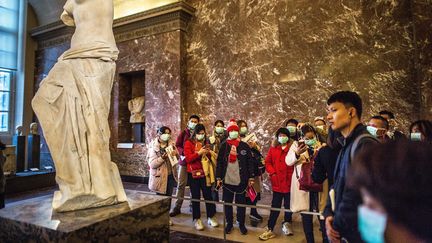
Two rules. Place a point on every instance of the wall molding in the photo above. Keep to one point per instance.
(171, 17)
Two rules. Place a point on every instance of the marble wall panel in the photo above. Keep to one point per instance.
(422, 16)
(159, 58)
(267, 61)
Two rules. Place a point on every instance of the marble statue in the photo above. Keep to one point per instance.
(136, 107)
(34, 128)
(18, 130)
(73, 104)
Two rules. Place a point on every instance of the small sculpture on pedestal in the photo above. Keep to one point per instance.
(20, 146)
(33, 151)
(137, 118)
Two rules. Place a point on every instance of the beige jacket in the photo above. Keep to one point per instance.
(158, 178)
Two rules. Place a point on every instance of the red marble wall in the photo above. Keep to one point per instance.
(267, 61)
(159, 57)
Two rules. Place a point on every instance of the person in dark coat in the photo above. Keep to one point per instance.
(344, 114)
(235, 171)
(2, 177)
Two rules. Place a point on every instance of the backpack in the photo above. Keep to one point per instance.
(357, 141)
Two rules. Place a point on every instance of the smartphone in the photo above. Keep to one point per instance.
(301, 142)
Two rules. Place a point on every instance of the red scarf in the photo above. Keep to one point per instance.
(233, 153)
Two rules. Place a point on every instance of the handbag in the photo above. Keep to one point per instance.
(197, 173)
(305, 179)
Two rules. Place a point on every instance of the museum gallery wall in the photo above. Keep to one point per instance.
(265, 62)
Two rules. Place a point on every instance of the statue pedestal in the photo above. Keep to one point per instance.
(143, 218)
(20, 143)
(33, 152)
(137, 130)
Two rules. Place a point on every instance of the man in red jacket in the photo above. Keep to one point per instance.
(182, 173)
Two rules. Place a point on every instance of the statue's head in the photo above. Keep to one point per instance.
(18, 130)
(34, 128)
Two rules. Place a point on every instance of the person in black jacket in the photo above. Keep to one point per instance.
(235, 169)
(344, 114)
(325, 162)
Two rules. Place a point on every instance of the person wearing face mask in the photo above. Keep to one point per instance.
(396, 200)
(235, 171)
(257, 160)
(421, 130)
(321, 128)
(378, 127)
(301, 152)
(392, 131)
(162, 177)
(218, 137)
(291, 125)
(194, 150)
(182, 171)
(280, 174)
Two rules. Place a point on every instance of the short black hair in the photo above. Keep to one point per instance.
(386, 124)
(397, 174)
(240, 122)
(307, 128)
(161, 130)
(388, 113)
(425, 128)
(282, 130)
(292, 120)
(194, 116)
(349, 99)
(219, 121)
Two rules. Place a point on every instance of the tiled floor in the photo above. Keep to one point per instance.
(183, 226)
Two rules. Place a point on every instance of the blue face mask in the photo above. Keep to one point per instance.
(243, 130)
(310, 142)
(283, 140)
(292, 130)
(371, 225)
(372, 130)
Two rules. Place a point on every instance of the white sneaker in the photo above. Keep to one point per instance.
(199, 224)
(213, 222)
(287, 229)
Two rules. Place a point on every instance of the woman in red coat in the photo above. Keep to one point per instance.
(280, 174)
(194, 149)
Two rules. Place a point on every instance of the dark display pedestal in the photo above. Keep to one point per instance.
(20, 143)
(144, 218)
(33, 151)
(137, 131)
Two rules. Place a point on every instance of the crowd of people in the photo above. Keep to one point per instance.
(366, 181)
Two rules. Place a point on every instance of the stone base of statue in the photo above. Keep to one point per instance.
(144, 218)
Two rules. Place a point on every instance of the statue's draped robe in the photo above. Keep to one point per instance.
(72, 105)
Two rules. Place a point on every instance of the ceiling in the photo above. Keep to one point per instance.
(48, 11)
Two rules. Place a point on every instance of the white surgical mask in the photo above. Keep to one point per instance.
(415, 136)
(191, 125)
(219, 130)
(320, 127)
(165, 137)
(372, 130)
(233, 135)
(243, 130)
(200, 137)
